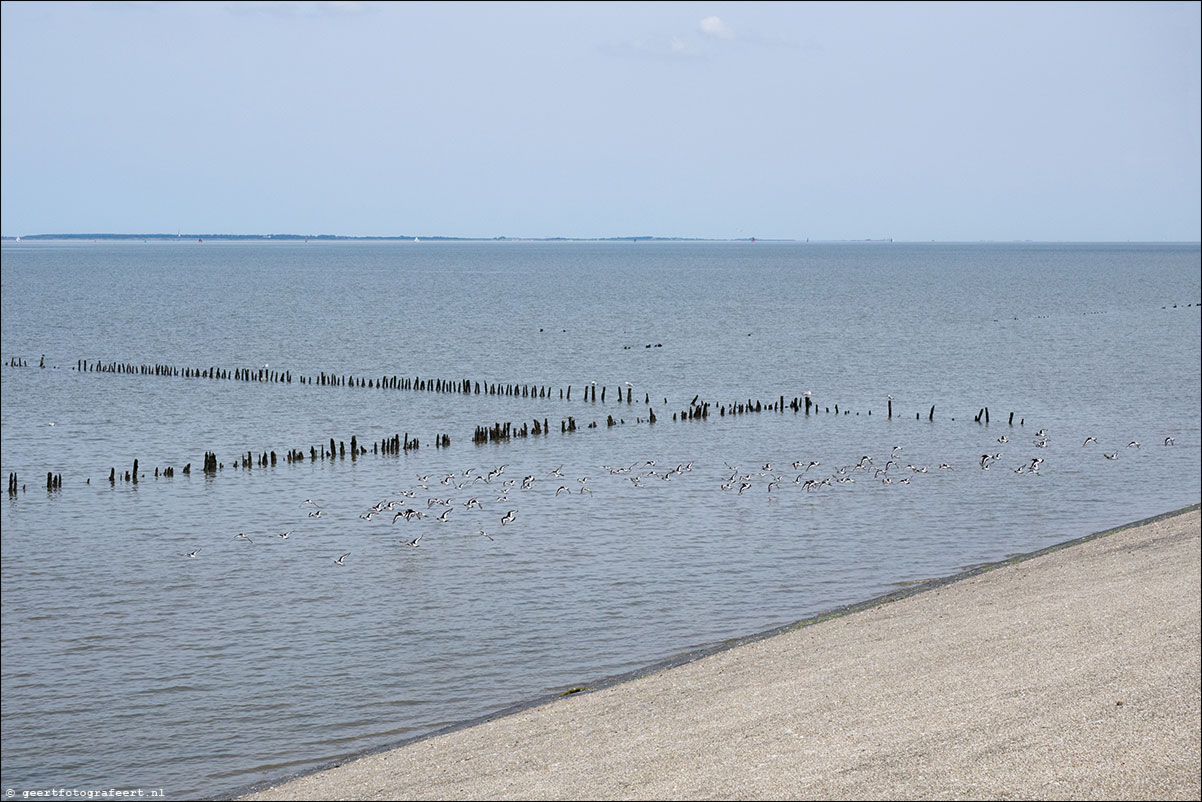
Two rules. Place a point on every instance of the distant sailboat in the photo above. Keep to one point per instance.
(415, 239)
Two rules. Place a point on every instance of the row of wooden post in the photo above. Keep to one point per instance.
(439, 385)
(237, 374)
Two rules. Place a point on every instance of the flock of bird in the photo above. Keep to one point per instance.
(475, 497)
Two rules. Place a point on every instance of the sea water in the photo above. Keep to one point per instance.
(127, 664)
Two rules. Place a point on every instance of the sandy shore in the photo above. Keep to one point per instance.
(1070, 675)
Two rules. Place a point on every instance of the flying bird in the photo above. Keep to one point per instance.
(339, 561)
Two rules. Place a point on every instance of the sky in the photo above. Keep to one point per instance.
(826, 121)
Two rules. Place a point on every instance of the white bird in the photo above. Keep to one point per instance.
(415, 541)
(316, 514)
(1089, 440)
(1133, 444)
(442, 519)
(509, 516)
(340, 559)
(482, 533)
(1168, 441)
(284, 535)
(241, 536)
(192, 553)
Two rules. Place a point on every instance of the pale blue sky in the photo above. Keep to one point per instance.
(943, 121)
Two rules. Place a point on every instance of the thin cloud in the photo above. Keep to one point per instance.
(680, 47)
(715, 27)
(298, 8)
(658, 47)
(692, 44)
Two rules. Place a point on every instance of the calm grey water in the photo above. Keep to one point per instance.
(127, 664)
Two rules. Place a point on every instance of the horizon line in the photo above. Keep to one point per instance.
(504, 238)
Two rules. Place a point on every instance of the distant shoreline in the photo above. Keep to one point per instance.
(397, 238)
(638, 238)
